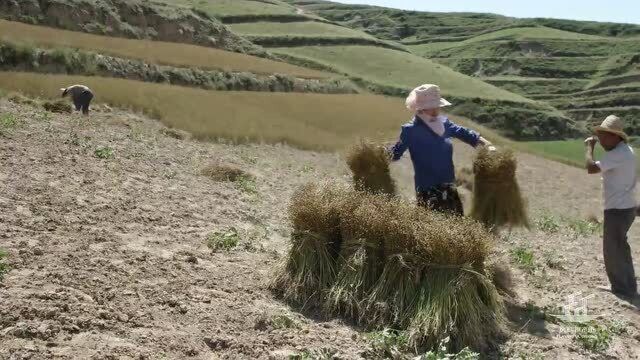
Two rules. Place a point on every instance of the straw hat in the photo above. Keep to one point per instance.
(426, 97)
(614, 125)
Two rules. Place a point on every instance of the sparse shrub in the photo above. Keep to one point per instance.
(225, 240)
(58, 106)
(524, 258)
(104, 152)
(4, 268)
(369, 164)
(497, 201)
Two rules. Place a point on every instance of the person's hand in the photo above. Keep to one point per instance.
(591, 141)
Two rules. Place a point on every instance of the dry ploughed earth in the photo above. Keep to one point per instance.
(121, 247)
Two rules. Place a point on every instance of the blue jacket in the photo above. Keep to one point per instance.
(431, 154)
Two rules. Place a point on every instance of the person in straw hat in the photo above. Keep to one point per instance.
(618, 169)
(81, 96)
(428, 139)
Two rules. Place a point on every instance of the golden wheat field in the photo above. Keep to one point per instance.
(307, 121)
(156, 52)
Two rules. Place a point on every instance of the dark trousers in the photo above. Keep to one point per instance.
(617, 253)
(82, 101)
(443, 198)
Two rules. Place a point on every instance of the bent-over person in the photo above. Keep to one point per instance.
(81, 96)
(618, 169)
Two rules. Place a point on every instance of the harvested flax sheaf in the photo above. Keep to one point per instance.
(310, 268)
(497, 201)
(389, 264)
(369, 164)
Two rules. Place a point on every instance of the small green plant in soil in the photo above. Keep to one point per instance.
(524, 258)
(284, 322)
(443, 354)
(594, 337)
(553, 261)
(4, 268)
(583, 228)
(548, 223)
(7, 121)
(322, 354)
(387, 343)
(247, 184)
(223, 240)
(103, 152)
(243, 181)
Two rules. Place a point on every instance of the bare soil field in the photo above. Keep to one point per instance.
(107, 220)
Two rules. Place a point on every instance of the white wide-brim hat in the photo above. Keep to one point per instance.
(614, 125)
(426, 97)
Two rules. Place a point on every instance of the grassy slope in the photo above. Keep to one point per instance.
(304, 28)
(237, 7)
(397, 68)
(150, 51)
(520, 34)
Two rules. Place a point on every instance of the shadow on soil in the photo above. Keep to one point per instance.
(526, 319)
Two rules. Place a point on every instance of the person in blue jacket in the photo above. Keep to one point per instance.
(428, 139)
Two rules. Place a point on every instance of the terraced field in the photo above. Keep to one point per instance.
(397, 68)
(557, 62)
(222, 8)
(301, 28)
(156, 52)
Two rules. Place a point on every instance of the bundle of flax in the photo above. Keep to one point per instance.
(385, 263)
(369, 164)
(497, 201)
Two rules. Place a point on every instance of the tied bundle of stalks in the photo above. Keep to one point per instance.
(361, 257)
(369, 164)
(316, 240)
(497, 201)
(397, 266)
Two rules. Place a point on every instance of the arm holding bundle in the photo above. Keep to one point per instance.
(397, 150)
(591, 165)
(470, 137)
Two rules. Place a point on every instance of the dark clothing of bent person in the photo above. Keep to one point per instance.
(81, 96)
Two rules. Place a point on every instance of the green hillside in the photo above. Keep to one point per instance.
(553, 61)
(399, 69)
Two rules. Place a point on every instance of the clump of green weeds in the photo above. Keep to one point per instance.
(223, 240)
(4, 268)
(388, 343)
(321, 354)
(524, 258)
(548, 223)
(442, 354)
(104, 152)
